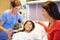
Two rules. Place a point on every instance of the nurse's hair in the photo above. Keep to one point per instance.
(52, 9)
(15, 3)
(33, 25)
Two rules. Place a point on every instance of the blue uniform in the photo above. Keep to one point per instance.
(9, 22)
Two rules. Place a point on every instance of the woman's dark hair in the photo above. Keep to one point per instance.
(15, 3)
(33, 25)
(52, 9)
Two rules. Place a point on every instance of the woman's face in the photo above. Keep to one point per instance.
(17, 8)
(45, 14)
(28, 26)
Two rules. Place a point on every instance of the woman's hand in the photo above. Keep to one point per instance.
(42, 24)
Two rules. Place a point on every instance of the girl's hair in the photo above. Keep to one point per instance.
(52, 9)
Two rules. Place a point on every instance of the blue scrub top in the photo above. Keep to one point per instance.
(9, 21)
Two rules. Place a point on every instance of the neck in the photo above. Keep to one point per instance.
(12, 12)
(52, 20)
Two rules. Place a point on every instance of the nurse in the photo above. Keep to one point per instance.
(8, 19)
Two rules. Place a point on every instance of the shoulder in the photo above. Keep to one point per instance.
(6, 12)
(19, 14)
(57, 25)
(57, 21)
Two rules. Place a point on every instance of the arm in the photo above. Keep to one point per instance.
(2, 20)
(1, 28)
(43, 25)
(39, 32)
(8, 32)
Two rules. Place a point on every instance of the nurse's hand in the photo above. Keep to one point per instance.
(9, 31)
(9, 37)
(9, 34)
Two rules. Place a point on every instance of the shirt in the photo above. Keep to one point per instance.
(54, 31)
(9, 21)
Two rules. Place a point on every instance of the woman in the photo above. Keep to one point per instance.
(25, 35)
(8, 19)
(51, 13)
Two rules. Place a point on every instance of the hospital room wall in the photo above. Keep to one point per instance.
(4, 5)
(35, 11)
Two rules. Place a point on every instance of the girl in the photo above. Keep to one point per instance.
(25, 35)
